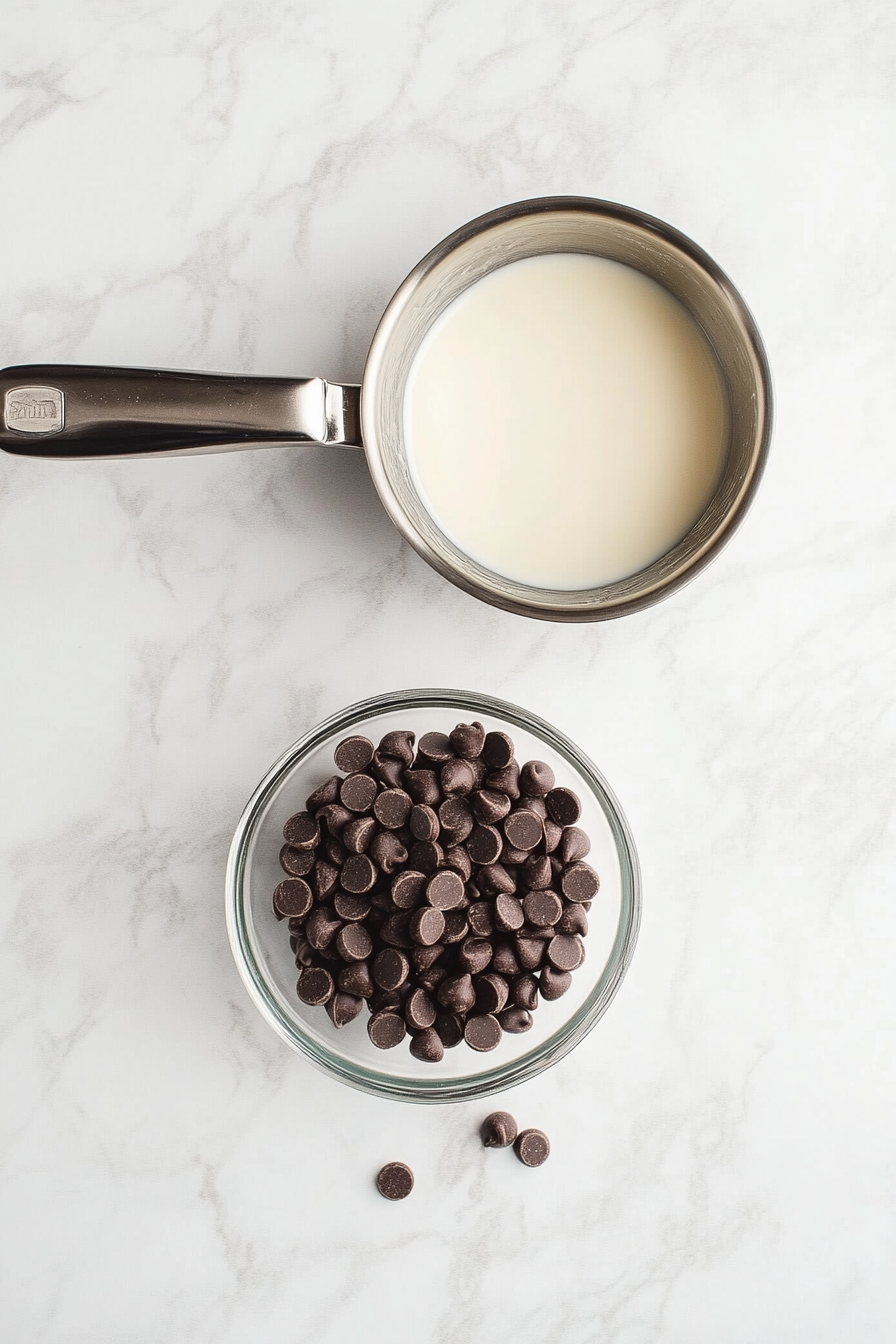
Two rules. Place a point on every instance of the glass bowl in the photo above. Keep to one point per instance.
(260, 942)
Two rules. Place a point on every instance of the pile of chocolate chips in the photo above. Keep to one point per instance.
(443, 887)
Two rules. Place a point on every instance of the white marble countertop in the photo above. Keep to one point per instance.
(238, 186)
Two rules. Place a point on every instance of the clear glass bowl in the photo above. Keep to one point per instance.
(260, 943)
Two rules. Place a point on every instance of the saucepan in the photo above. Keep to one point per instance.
(71, 411)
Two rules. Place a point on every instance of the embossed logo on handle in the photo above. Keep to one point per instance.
(34, 410)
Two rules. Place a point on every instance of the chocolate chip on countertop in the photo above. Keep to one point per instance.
(301, 831)
(532, 1147)
(395, 1181)
(353, 754)
(386, 1029)
(293, 898)
(482, 1032)
(563, 806)
(536, 779)
(498, 1130)
(580, 882)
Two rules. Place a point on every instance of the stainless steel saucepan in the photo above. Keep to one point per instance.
(71, 411)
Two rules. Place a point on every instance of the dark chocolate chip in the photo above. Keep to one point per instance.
(327, 793)
(532, 1147)
(574, 845)
(449, 1028)
(566, 952)
(387, 852)
(394, 930)
(344, 1008)
(399, 744)
(358, 792)
(553, 984)
(392, 808)
(386, 1029)
(407, 888)
(426, 856)
(427, 926)
(480, 770)
(334, 816)
(563, 806)
(357, 835)
(356, 979)
(484, 844)
(504, 961)
(427, 1045)
(334, 850)
(494, 879)
(390, 968)
(505, 781)
(524, 829)
(358, 874)
(424, 957)
(490, 806)
(419, 1010)
(455, 819)
(315, 985)
(386, 1001)
(431, 978)
(573, 920)
(457, 994)
(515, 1020)
(542, 907)
(423, 786)
(296, 862)
(353, 942)
(445, 890)
(467, 739)
(324, 878)
(491, 993)
(423, 822)
(498, 1130)
(293, 897)
(474, 954)
(530, 953)
(524, 992)
(387, 770)
(536, 779)
(304, 953)
(301, 831)
(456, 777)
(482, 1032)
(508, 913)
(580, 882)
(457, 858)
(353, 908)
(497, 750)
(435, 748)
(479, 916)
(353, 754)
(456, 926)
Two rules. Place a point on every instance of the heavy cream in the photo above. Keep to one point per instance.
(565, 421)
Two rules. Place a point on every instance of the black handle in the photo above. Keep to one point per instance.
(60, 410)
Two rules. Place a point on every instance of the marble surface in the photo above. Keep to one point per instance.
(238, 186)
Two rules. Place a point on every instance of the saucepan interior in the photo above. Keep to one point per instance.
(552, 225)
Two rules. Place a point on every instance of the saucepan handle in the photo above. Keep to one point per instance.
(78, 411)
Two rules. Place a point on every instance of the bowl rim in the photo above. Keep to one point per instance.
(501, 1077)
